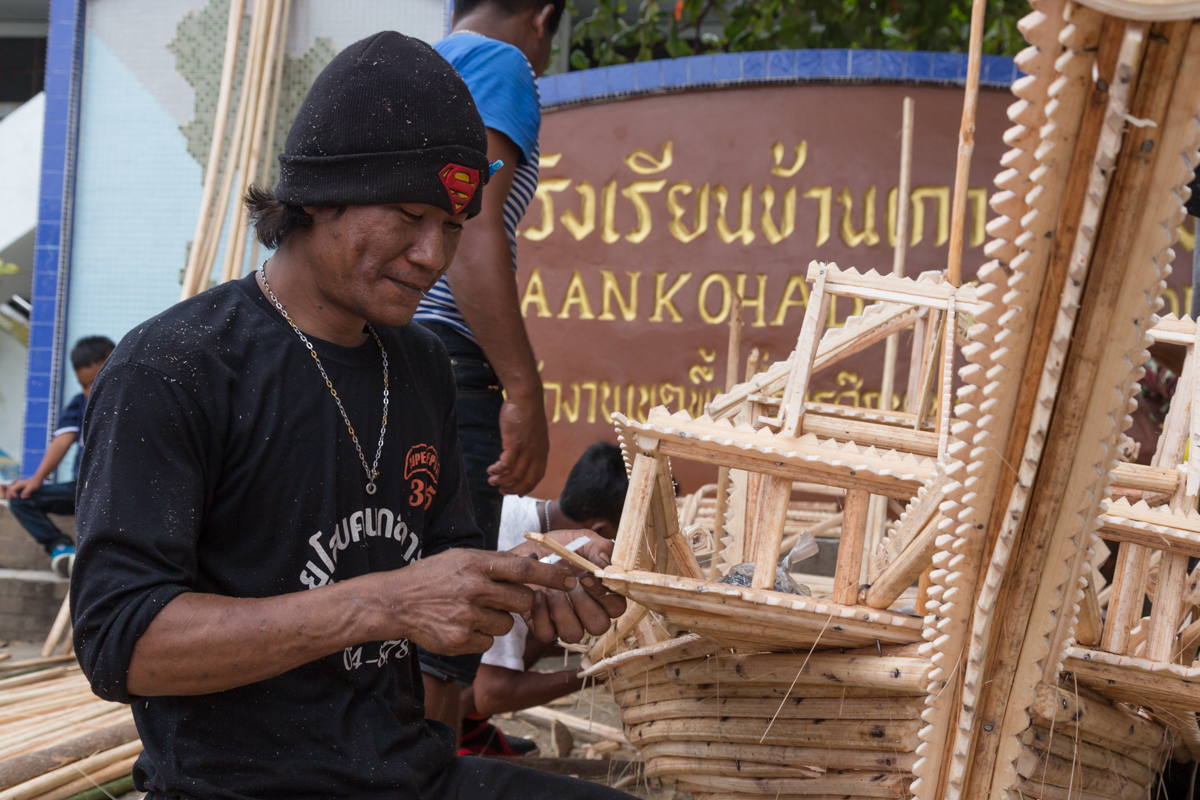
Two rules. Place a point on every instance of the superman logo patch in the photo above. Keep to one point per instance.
(461, 183)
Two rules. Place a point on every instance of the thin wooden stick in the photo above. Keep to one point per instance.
(966, 145)
(561, 551)
(888, 384)
(237, 9)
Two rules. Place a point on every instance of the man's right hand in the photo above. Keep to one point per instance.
(457, 601)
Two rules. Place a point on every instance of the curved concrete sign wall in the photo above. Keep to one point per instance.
(655, 210)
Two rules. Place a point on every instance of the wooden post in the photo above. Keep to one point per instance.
(966, 145)
(1168, 603)
(772, 515)
(233, 32)
(850, 547)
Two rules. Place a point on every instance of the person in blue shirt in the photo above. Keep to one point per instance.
(499, 47)
(32, 500)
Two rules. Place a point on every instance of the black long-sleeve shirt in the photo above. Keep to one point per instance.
(217, 462)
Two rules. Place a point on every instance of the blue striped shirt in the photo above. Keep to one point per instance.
(504, 87)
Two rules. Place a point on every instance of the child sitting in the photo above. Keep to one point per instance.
(592, 498)
(29, 500)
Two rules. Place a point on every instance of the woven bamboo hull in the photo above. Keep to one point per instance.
(721, 724)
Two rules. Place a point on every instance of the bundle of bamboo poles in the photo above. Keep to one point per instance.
(245, 160)
(57, 739)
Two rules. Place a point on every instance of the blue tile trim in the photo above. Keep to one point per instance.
(766, 67)
(52, 242)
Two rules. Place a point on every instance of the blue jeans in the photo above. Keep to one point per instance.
(32, 511)
(479, 397)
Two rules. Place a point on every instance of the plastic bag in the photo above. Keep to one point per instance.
(805, 547)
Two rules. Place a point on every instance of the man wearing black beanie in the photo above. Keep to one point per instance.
(260, 596)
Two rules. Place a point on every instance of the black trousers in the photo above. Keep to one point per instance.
(32, 512)
(470, 778)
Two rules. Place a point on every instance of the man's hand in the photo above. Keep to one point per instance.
(589, 607)
(457, 601)
(454, 602)
(22, 489)
(526, 443)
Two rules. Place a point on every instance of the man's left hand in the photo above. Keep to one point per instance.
(590, 607)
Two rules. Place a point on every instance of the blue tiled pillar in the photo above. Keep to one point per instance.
(52, 250)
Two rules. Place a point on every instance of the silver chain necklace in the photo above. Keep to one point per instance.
(373, 470)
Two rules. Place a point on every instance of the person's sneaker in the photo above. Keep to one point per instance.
(481, 738)
(62, 558)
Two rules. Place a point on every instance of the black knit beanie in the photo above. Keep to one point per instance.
(388, 121)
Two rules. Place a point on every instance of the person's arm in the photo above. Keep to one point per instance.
(450, 603)
(54, 455)
(485, 290)
(499, 689)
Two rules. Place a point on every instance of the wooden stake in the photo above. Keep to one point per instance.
(966, 145)
(233, 31)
